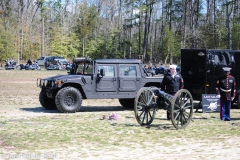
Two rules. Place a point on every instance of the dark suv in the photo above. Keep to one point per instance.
(52, 60)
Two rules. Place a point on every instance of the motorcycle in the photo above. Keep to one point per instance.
(29, 66)
(53, 67)
(10, 64)
(59, 66)
(68, 66)
(150, 71)
(160, 70)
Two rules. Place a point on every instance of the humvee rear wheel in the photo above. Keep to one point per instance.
(47, 103)
(127, 103)
(145, 106)
(238, 101)
(181, 109)
(68, 100)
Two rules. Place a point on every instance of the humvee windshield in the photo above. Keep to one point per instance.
(82, 66)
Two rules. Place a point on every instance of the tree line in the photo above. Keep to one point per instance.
(151, 30)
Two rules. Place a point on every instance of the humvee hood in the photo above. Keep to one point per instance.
(68, 76)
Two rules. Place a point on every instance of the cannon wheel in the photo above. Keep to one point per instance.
(181, 109)
(144, 106)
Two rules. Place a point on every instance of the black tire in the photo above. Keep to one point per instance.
(127, 103)
(238, 101)
(47, 103)
(68, 100)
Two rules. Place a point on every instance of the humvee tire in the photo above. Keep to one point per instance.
(47, 103)
(127, 103)
(238, 101)
(68, 100)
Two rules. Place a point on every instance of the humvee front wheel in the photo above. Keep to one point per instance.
(47, 103)
(68, 100)
(127, 103)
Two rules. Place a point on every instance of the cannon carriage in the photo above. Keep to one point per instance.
(151, 99)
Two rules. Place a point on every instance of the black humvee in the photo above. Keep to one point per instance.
(200, 69)
(95, 79)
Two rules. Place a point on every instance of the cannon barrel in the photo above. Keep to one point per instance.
(158, 92)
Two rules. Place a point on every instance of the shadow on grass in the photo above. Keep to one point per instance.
(161, 126)
(102, 108)
(39, 110)
(82, 109)
(235, 119)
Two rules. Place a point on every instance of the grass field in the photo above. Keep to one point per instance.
(31, 132)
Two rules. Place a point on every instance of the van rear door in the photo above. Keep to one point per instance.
(193, 71)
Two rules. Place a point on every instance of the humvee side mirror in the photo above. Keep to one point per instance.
(102, 72)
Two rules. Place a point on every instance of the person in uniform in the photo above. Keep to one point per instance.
(172, 82)
(226, 91)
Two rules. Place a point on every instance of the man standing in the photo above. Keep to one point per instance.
(172, 82)
(226, 91)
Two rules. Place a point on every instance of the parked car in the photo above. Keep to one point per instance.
(41, 61)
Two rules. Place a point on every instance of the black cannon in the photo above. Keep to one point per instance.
(151, 99)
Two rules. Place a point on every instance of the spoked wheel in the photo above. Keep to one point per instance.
(181, 109)
(145, 106)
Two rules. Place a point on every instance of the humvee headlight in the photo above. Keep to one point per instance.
(59, 82)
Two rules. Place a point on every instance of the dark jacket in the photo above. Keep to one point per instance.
(29, 62)
(172, 85)
(226, 87)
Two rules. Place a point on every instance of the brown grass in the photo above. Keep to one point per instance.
(26, 129)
